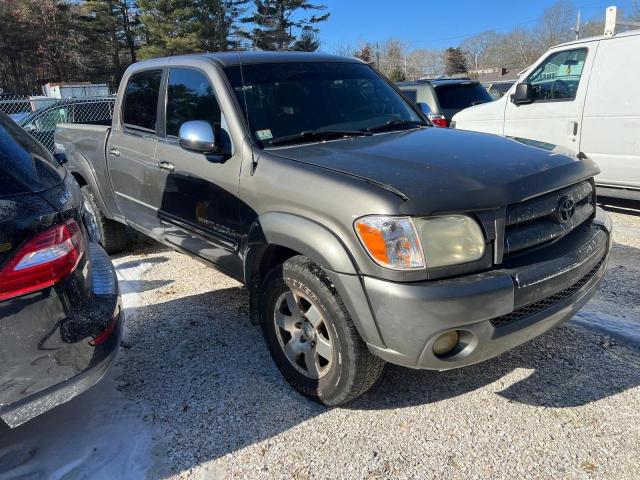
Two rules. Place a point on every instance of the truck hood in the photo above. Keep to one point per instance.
(439, 169)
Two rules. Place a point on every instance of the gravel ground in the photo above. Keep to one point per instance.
(213, 404)
(564, 405)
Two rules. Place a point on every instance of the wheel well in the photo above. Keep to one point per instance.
(81, 181)
(274, 255)
(269, 257)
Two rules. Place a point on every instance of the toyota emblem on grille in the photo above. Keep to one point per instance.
(566, 209)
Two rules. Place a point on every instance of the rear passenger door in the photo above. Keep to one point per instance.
(199, 208)
(131, 153)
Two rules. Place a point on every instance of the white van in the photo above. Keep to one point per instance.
(582, 95)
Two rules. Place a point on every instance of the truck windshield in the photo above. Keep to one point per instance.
(293, 99)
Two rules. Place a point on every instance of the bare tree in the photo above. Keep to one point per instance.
(423, 63)
(392, 57)
(477, 49)
(556, 25)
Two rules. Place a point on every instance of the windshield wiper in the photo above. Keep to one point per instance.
(318, 135)
(393, 124)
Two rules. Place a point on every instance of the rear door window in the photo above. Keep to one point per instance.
(410, 94)
(141, 100)
(25, 166)
(460, 96)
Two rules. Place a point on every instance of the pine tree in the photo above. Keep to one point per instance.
(397, 75)
(366, 54)
(455, 61)
(307, 41)
(277, 27)
(170, 27)
(101, 42)
(219, 24)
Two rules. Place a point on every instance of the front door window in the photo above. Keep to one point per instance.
(558, 77)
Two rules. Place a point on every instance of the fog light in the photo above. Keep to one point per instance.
(445, 343)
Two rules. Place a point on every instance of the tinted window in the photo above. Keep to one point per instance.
(283, 99)
(410, 94)
(25, 166)
(558, 77)
(190, 97)
(141, 100)
(461, 96)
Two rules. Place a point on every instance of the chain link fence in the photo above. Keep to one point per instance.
(40, 115)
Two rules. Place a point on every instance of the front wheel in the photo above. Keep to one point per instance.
(311, 336)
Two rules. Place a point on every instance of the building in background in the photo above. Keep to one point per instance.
(75, 90)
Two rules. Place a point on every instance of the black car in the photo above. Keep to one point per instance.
(445, 96)
(60, 309)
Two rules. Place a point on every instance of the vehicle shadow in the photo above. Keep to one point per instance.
(620, 205)
(209, 379)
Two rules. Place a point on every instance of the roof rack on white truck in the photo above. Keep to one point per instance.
(611, 22)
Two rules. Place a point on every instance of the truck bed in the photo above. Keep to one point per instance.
(85, 148)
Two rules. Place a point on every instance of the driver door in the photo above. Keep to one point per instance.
(559, 83)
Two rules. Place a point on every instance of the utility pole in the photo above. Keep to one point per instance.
(377, 56)
(577, 30)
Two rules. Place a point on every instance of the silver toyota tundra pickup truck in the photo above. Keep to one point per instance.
(363, 233)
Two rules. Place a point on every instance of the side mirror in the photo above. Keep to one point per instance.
(523, 94)
(426, 109)
(197, 136)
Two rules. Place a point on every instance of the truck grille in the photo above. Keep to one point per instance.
(547, 217)
(535, 307)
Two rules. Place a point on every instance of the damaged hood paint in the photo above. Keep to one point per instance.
(439, 169)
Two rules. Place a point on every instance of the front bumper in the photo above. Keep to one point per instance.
(50, 356)
(493, 311)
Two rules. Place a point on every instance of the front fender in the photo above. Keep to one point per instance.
(306, 237)
(318, 243)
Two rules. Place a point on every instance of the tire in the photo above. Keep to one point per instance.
(112, 234)
(297, 337)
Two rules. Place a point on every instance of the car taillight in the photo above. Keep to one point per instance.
(42, 261)
(439, 121)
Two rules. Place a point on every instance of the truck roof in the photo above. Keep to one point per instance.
(629, 33)
(226, 59)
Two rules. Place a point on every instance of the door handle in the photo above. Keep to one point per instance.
(114, 151)
(166, 166)
(573, 128)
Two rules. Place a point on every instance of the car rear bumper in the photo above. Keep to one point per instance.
(493, 311)
(52, 352)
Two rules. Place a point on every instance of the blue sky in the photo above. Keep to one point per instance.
(434, 24)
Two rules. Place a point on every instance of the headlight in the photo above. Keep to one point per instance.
(392, 242)
(403, 243)
(450, 240)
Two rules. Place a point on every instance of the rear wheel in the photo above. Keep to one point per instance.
(111, 235)
(311, 336)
